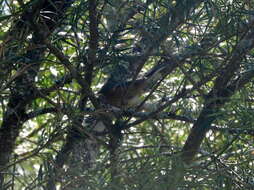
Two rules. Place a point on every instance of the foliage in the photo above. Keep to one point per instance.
(55, 58)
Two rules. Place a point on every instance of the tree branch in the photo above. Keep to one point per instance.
(218, 96)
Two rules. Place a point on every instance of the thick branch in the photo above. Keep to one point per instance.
(223, 89)
(23, 91)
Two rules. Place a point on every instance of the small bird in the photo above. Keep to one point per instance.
(128, 94)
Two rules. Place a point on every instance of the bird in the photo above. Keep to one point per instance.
(127, 94)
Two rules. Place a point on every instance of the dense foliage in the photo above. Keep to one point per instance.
(58, 132)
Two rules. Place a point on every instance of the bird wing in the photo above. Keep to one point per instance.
(127, 94)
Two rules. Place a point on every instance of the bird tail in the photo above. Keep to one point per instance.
(155, 73)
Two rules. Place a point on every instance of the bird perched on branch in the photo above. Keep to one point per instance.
(127, 94)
